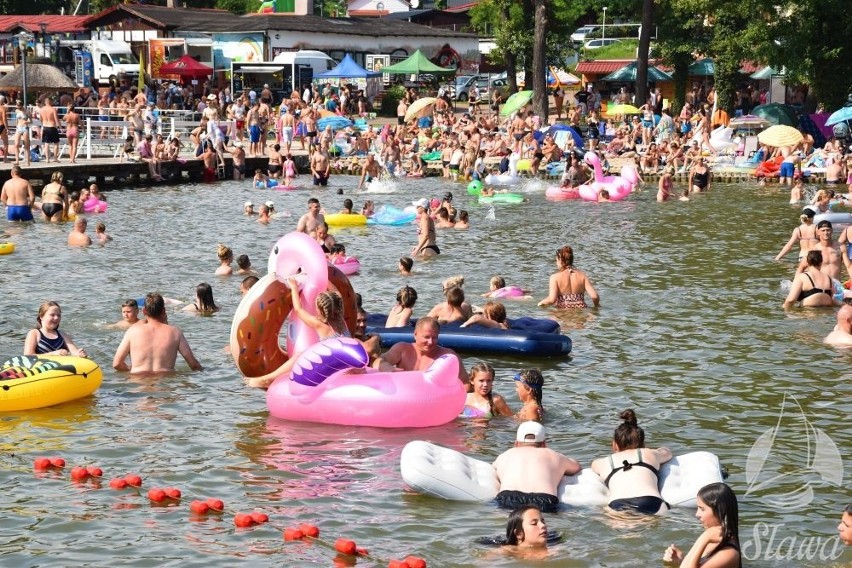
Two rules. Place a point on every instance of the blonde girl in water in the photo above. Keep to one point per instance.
(226, 257)
(568, 286)
(481, 401)
(528, 386)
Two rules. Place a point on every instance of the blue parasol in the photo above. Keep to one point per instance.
(578, 139)
(841, 115)
(336, 123)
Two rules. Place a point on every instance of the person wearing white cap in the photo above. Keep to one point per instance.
(426, 247)
(530, 472)
(248, 208)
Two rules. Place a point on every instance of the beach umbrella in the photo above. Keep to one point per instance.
(780, 135)
(516, 102)
(613, 110)
(40, 77)
(748, 121)
(417, 106)
(336, 123)
(578, 138)
(777, 114)
(841, 115)
(702, 68)
(627, 74)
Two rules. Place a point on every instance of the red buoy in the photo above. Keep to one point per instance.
(216, 504)
(118, 483)
(57, 462)
(415, 561)
(156, 495)
(172, 493)
(345, 546)
(41, 464)
(309, 530)
(293, 534)
(243, 520)
(199, 507)
(133, 480)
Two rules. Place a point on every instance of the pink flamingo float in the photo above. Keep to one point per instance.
(618, 187)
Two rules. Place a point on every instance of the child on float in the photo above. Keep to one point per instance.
(328, 323)
(400, 314)
(337, 254)
(528, 386)
(259, 180)
(493, 316)
(368, 209)
(226, 257)
(46, 339)
(482, 401)
(497, 289)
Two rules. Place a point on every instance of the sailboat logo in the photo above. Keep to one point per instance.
(774, 450)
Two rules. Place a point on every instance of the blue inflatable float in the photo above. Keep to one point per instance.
(529, 337)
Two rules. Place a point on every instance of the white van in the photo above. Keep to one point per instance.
(301, 62)
(111, 60)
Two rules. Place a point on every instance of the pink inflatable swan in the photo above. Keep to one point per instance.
(618, 187)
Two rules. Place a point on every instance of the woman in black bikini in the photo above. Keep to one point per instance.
(633, 484)
(719, 545)
(54, 198)
(699, 177)
(811, 287)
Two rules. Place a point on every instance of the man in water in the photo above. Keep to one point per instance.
(129, 315)
(369, 171)
(420, 355)
(309, 222)
(371, 341)
(18, 197)
(831, 261)
(841, 336)
(530, 472)
(78, 237)
(154, 345)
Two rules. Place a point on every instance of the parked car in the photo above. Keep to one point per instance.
(579, 35)
(460, 88)
(600, 42)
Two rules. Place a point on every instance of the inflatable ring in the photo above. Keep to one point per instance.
(7, 248)
(346, 219)
(29, 382)
(94, 205)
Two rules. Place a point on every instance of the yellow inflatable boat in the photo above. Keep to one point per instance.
(345, 219)
(28, 382)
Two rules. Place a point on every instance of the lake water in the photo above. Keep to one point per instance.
(691, 334)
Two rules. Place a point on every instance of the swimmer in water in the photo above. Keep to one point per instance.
(226, 257)
(101, 234)
(129, 315)
(482, 401)
(405, 265)
(400, 314)
(529, 385)
(719, 545)
(526, 533)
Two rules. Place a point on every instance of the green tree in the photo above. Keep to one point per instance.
(810, 41)
(681, 33)
(539, 71)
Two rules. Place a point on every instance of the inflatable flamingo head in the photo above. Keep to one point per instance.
(297, 253)
(592, 159)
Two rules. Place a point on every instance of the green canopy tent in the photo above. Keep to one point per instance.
(627, 74)
(702, 68)
(416, 64)
(763, 74)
